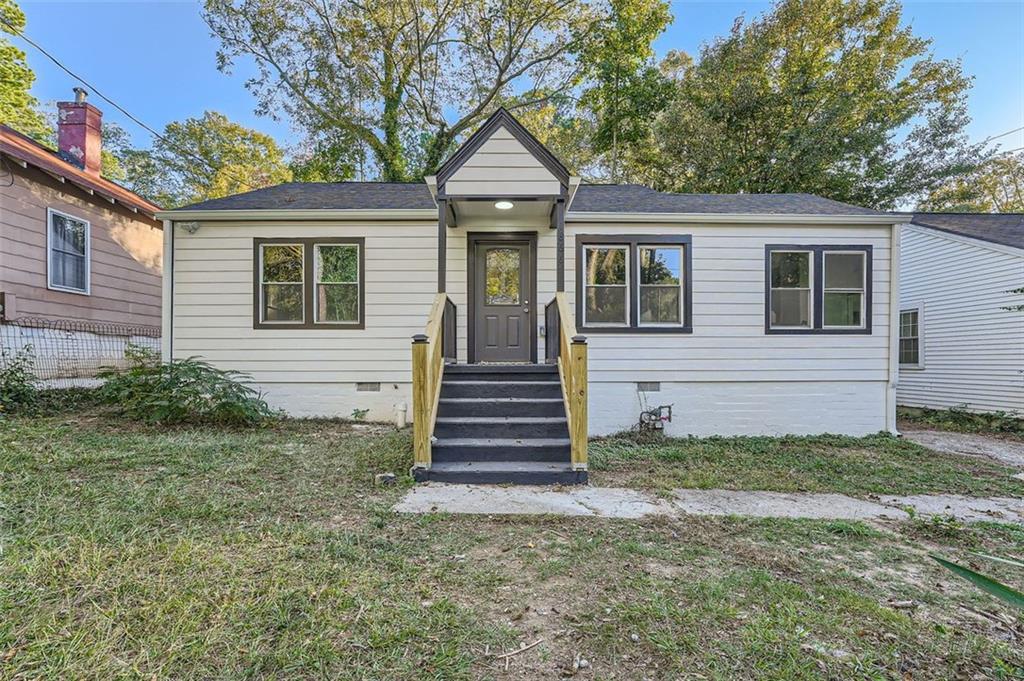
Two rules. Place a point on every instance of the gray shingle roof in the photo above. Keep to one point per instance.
(1000, 228)
(591, 198)
(326, 196)
(635, 198)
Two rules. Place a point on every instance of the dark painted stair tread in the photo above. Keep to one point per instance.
(502, 442)
(502, 419)
(503, 398)
(514, 472)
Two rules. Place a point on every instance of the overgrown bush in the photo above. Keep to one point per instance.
(183, 391)
(19, 391)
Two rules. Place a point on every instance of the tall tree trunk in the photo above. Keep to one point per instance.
(392, 157)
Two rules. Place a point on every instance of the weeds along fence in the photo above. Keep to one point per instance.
(69, 353)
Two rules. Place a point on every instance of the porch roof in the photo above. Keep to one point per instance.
(589, 198)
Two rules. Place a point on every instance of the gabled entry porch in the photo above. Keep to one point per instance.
(499, 374)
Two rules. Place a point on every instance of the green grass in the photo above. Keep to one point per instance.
(879, 464)
(144, 553)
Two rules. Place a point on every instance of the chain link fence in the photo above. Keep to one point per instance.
(69, 353)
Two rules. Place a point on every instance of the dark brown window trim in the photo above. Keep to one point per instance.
(817, 252)
(633, 241)
(308, 285)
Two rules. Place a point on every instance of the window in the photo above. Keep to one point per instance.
(844, 290)
(910, 339)
(337, 283)
(791, 300)
(282, 283)
(607, 286)
(308, 283)
(661, 294)
(634, 284)
(817, 289)
(67, 245)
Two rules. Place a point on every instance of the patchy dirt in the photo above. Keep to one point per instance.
(1005, 450)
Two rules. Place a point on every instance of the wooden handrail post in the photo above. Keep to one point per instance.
(421, 401)
(578, 412)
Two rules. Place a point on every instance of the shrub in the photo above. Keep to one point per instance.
(19, 391)
(183, 391)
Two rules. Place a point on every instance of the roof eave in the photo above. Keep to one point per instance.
(757, 218)
(299, 214)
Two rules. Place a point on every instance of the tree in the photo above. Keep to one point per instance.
(328, 158)
(18, 108)
(390, 73)
(996, 186)
(204, 158)
(628, 92)
(830, 97)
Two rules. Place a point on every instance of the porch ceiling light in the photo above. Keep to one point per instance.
(504, 205)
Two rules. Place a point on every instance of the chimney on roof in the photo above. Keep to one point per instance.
(79, 138)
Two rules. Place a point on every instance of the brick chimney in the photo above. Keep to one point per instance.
(78, 132)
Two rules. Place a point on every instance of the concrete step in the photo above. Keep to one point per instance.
(501, 406)
(499, 472)
(513, 427)
(552, 450)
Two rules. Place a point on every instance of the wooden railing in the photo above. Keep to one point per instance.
(569, 351)
(431, 350)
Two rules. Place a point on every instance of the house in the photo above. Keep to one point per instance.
(961, 341)
(541, 309)
(80, 256)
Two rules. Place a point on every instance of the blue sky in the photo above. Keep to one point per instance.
(157, 59)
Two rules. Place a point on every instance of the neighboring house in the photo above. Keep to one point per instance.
(749, 314)
(79, 254)
(960, 345)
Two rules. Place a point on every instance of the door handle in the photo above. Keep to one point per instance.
(526, 309)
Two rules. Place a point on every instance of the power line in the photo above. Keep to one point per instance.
(1009, 132)
(117, 106)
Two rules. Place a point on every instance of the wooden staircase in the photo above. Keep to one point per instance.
(521, 424)
(502, 424)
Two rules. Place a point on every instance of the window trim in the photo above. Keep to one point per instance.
(863, 290)
(308, 282)
(818, 289)
(810, 287)
(626, 251)
(919, 309)
(633, 244)
(87, 291)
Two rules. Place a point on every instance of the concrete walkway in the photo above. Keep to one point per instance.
(613, 502)
(1004, 450)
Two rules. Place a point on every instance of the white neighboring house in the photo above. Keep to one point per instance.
(959, 344)
(750, 314)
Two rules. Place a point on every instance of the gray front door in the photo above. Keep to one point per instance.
(503, 307)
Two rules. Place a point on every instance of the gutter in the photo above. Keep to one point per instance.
(291, 214)
(751, 218)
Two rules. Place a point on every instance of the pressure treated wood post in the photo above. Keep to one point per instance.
(578, 409)
(420, 402)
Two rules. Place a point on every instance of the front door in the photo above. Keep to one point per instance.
(501, 288)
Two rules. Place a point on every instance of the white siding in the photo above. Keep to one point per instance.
(502, 166)
(308, 372)
(727, 377)
(972, 350)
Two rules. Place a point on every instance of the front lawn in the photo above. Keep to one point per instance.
(133, 552)
(879, 464)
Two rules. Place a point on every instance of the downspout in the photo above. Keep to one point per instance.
(167, 295)
(894, 330)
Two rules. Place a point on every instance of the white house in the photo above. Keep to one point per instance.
(749, 314)
(961, 343)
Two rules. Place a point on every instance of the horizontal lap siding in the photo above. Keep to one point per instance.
(213, 292)
(973, 350)
(502, 166)
(728, 343)
(125, 254)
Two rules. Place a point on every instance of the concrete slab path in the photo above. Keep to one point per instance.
(613, 502)
(1005, 450)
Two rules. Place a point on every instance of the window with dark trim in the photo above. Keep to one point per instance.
(910, 338)
(817, 289)
(633, 283)
(308, 283)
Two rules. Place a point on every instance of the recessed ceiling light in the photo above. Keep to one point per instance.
(504, 205)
